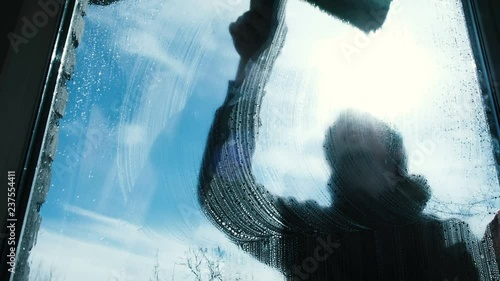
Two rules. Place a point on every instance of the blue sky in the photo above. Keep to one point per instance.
(150, 75)
(130, 145)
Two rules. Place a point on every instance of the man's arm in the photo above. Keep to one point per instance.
(228, 191)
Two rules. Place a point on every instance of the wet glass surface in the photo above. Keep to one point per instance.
(124, 199)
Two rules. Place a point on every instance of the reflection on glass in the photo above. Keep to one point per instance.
(406, 144)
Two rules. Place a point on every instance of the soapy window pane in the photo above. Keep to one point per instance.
(123, 202)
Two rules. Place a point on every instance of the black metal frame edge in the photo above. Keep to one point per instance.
(482, 31)
(25, 172)
(484, 37)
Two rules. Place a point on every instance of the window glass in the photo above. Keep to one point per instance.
(149, 76)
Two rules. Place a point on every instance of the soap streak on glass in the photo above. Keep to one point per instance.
(123, 202)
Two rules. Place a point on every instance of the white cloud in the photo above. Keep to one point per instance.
(96, 247)
(134, 134)
(169, 43)
(402, 76)
(298, 107)
(148, 45)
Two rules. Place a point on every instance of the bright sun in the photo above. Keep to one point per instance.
(384, 73)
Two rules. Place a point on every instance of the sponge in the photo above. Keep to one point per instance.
(367, 15)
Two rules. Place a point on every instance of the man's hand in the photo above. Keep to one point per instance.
(251, 32)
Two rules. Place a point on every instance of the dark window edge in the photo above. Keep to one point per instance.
(482, 22)
(28, 88)
(483, 25)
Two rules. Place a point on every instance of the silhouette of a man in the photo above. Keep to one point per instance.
(375, 228)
